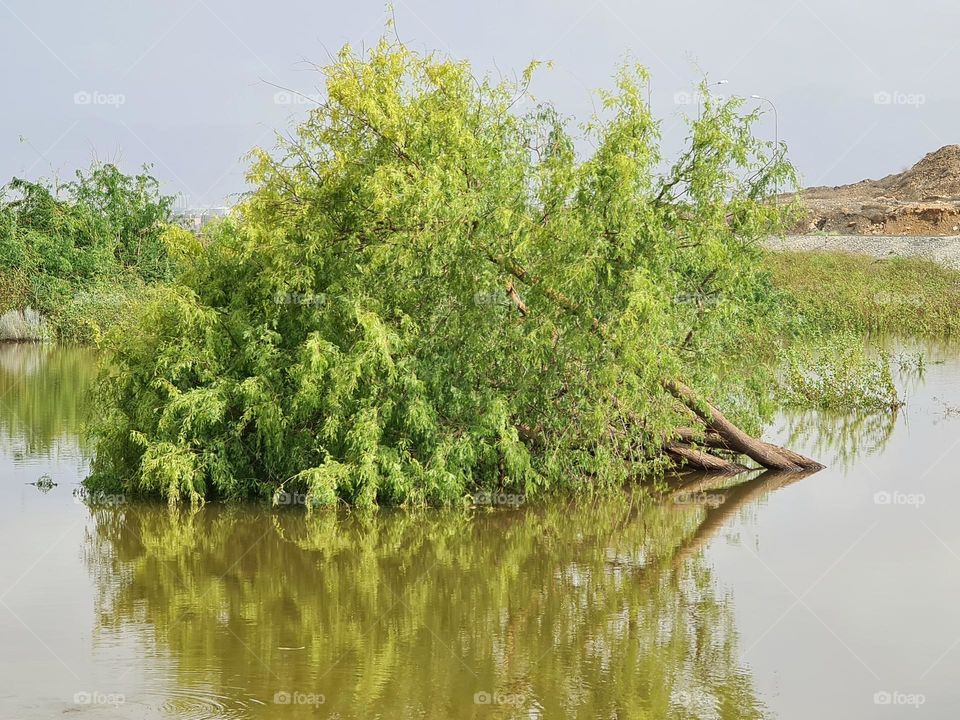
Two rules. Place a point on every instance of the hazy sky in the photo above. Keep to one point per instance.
(862, 88)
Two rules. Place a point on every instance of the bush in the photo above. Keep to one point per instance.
(61, 245)
(430, 294)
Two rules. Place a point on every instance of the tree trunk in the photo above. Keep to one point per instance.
(708, 439)
(702, 460)
(765, 454)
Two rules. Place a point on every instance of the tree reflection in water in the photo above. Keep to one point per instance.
(45, 397)
(597, 608)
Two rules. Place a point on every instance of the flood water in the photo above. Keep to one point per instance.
(828, 596)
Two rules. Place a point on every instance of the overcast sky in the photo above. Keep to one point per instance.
(862, 89)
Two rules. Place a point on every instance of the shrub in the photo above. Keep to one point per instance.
(61, 244)
(430, 294)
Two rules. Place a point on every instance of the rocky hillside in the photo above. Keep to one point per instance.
(924, 200)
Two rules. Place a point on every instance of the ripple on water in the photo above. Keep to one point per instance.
(201, 704)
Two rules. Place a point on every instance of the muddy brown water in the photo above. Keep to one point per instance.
(831, 596)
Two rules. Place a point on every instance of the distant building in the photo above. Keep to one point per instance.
(196, 218)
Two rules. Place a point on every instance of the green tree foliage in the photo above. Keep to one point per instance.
(57, 240)
(431, 292)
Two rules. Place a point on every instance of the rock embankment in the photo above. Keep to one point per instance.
(942, 250)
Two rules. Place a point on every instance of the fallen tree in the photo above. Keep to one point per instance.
(431, 293)
(724, 435)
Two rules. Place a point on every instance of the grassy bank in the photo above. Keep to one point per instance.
(835, 291)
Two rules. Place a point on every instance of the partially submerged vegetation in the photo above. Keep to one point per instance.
(431, 293)
(840, 372)
(75, 255)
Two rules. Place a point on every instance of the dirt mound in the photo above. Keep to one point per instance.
(924, 200)
(936, 177)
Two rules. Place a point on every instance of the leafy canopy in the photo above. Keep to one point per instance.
(431, 292)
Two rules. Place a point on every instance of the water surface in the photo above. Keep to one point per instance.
(770, 596)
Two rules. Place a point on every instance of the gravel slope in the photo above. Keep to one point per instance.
(942, 250)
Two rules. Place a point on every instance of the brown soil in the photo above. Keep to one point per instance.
(924, 200)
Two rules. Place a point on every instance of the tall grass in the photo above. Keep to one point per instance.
(23, 326)
(837, 291)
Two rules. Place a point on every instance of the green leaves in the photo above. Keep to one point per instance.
(76, 244)
(840, 373)
(432, 293)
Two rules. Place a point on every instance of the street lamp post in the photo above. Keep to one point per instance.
(776, 137)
